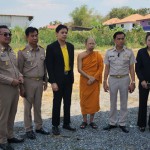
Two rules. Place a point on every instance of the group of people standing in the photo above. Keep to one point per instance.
(30, 73)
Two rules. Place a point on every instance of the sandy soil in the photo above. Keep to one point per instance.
(75, 107)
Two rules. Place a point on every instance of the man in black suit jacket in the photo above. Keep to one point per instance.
(60, 63)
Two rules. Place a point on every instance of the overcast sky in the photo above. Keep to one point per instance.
(45, 11)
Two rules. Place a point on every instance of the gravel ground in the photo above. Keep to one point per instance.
(86, 139)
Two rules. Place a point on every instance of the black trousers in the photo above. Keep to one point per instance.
(142, 114)
(64, 92)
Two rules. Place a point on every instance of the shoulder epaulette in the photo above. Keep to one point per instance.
(41, 47)
(111, 49)
(23, 49)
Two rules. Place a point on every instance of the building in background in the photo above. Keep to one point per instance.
(129, 22)
(12, 21)
(52, 27)
(145, 23)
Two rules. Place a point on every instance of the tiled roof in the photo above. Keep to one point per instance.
(145, 17)
(111, 21)
(131, 18)
(52, 26)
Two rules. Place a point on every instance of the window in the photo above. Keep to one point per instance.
(122, 25)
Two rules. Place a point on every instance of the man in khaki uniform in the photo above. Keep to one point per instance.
(31, 62)
(119, 63)
(10, 78)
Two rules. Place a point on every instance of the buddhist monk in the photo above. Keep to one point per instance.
(90, 67)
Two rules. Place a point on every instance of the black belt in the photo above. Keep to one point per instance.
(119, 76)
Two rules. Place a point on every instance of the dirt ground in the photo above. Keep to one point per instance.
(75, 107)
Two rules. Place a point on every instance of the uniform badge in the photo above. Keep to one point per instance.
(29, 54)
(6, 63)
(126, 56)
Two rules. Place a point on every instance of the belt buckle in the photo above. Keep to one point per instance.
(37, 79)
(66, 72)
(118, 76)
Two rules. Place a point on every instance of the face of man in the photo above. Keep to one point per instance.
(32, 38)
(90, 45)
(5, 36)
(148, 42)
(62, 34)
(120, 40)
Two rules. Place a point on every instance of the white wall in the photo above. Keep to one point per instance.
(127, 26)
(12, 21)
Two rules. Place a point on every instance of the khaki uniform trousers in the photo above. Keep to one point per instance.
(121, 85)
(9, 96)
(34, 91)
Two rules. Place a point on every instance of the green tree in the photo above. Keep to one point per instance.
(143, 11)
(120, 12)
(55, 22)
(82, 16)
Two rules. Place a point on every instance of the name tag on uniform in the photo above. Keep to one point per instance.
(6, 63)
(111, 56)
(126, 56)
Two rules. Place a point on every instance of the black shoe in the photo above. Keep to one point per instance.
(15, 140)
(6, 147)
(30, 135)
(109, 127)
(42, 131)
(124, 129)
(55, 130)
(68, 127)
(142, 129)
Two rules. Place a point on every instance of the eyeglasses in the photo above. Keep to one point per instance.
(6, 34)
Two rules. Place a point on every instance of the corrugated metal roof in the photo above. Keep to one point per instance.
(30, 17)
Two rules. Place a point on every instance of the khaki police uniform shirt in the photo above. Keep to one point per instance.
(8, 65)
(31, 62)
(119, 62)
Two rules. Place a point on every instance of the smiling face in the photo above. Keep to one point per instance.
(5, 36)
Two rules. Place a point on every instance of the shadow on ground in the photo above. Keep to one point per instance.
(89, 139)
